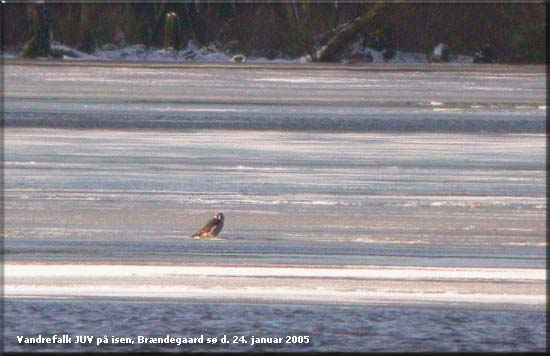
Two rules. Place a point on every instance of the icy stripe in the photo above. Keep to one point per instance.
(378, 272)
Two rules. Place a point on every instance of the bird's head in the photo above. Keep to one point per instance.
(219, 216)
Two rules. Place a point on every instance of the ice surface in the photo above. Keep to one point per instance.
(456, 184)
(355, 285)
(390, 186)
(475, 192)
(407, 98)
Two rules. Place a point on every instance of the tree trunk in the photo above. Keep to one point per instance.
(348, 33)
(39, 42)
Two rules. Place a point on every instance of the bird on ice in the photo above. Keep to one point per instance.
(212, 227)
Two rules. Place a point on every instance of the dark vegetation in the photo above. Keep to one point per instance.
(507, 32)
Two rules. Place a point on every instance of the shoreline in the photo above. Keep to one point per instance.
(314, 66)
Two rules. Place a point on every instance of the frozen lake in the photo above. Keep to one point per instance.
(393, 185)
(289, 198)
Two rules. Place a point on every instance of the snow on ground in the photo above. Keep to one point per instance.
(210, 54)
(363, 285)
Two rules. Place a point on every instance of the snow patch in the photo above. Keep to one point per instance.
(194, 53)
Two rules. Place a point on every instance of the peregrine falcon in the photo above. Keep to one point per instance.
(212, 227)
